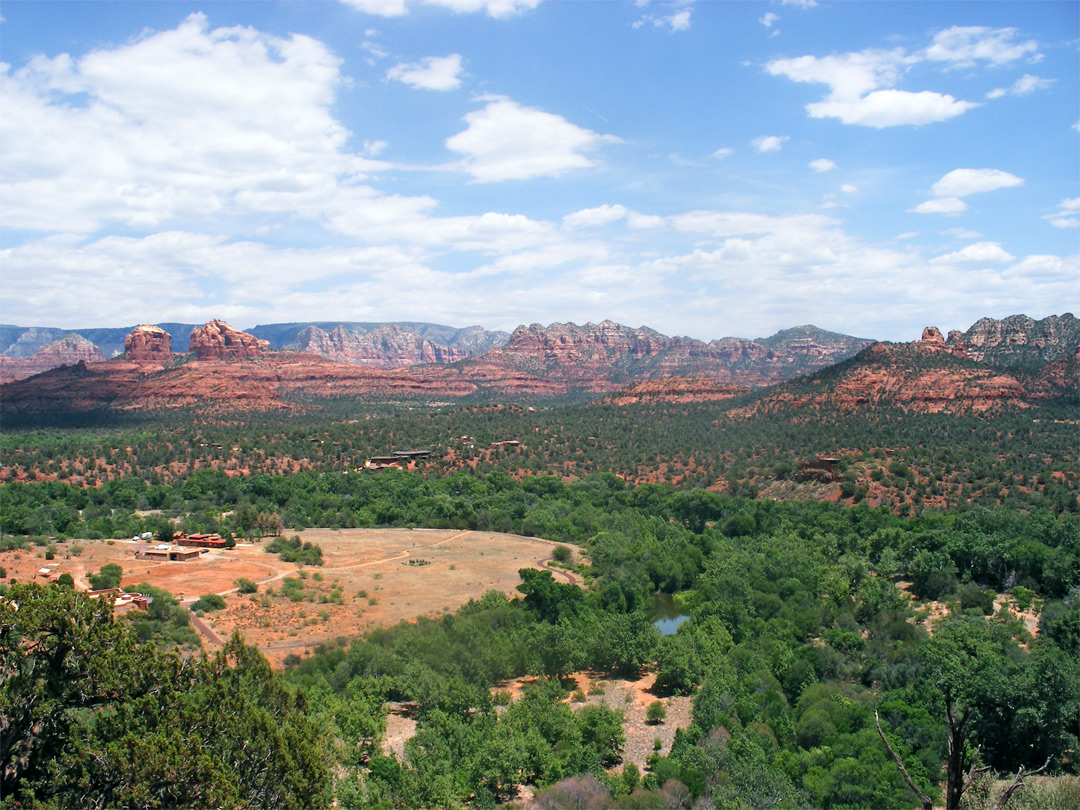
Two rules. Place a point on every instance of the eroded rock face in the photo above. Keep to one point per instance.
(148, 345)
(67, 351)
(219, 341)
(931, 338)
(1020, 340)
(386, 346)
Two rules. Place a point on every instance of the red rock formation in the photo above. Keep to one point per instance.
(65, 351)
(217, 341)
(932, 339)
(148, 345)
(676, 389)
(386, 346)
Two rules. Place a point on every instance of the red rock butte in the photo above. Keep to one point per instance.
(217, 340)
(148, 344)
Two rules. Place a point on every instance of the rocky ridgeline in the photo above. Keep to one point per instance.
(612, 353)
(386, 346)
(67, 351)
(1019, 340)
(148, 345)
(219, 341)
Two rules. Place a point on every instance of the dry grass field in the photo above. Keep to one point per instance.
(370, 578)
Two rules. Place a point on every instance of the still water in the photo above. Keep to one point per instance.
(666, 617)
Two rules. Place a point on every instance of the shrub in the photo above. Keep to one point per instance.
(108, 577)
(245, 585)
(210, 601)
(656, 713)
(562, 554)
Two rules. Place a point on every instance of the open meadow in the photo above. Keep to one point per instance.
(370, 578)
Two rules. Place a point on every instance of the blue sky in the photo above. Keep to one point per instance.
(702, 168)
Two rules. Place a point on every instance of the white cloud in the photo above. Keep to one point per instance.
(506, 141)
(1025, 85)
(1067, 215)
(591, 217)
(680, 21)
(643, 222)
(677, 21)
(182, 123)
(822, 165)
(769, 19)
(861, 84)
(800, 3)
(962, 182)
(848, 188)
(769, 143)
(723, 152)
(891, 108)
(942, 205)
(964, 46)
(431, 73)
(854, 80)
(979, 253)
(383, 8)
(499, 9)
(961, 233)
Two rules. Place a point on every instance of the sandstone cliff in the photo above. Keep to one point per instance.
(1019, 340)
(386, 346)
(67, 350)
(219, 341)
(148, 345)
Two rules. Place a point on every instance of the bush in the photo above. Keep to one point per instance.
(293, 550)
(210, 601)
(562, 554)
(245, 585)
(656, 713)
(108, 577)
(65, 580)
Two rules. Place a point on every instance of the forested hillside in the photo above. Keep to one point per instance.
(799, 634)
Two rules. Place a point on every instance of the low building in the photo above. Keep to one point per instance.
(202, 541)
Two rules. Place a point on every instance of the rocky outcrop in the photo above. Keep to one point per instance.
(219, 341)
(68, 350)
(386, 346)
(148, 345)
(600, 357)
(676, 389)
(933, 341)
(1021, 341)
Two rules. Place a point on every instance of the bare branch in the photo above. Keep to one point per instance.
(974, 770)
(1019, 780)
(927, 802)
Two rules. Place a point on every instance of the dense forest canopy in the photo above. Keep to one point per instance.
(888, 586)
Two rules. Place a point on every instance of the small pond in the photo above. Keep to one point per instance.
(666, 616)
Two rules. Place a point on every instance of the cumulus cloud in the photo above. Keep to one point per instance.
(822, 165)
(861, 84)
(590, 217)
(942, 205)
(848, 188)
(769, 19)
(962, 182)
(1024, 86)
(499, 9)
(431, 73)
(507, 141)
(979, 253)
(178, 124)
(769, 143)
(1067, 215)
(723, 152)
(964, 46)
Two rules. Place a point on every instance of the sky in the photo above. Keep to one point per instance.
(701, 168)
